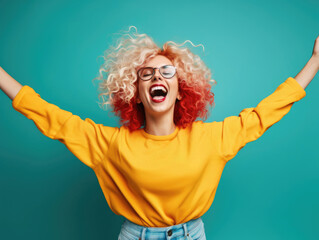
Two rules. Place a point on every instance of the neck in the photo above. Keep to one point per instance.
(160, 125)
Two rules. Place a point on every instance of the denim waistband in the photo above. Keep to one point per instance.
(134, 230)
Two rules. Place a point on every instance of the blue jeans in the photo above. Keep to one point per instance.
(191, 230)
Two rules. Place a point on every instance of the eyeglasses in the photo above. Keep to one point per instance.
(146, 73)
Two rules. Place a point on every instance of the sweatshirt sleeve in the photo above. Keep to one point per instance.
(87, 140)
(237, 131)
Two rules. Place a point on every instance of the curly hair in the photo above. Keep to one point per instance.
(119, 79)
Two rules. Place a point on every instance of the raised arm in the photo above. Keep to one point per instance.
(236, 131)
(9, 85)
(87, 140)
(305, 76)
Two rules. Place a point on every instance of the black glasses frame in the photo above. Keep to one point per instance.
(153, 69)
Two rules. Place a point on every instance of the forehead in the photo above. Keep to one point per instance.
(158, 61)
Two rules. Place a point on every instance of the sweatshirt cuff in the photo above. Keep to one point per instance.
(300, 91)
(23, 91)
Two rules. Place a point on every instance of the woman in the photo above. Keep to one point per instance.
(161, 168)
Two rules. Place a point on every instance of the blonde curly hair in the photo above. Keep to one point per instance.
(119, 79)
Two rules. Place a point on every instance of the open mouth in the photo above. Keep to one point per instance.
(158, 93)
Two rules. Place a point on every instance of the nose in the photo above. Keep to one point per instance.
(157, 75)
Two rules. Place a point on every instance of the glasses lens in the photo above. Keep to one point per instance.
(146, 73)
(168, 71)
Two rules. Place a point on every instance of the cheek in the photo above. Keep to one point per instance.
(176, 85)
(141, 91)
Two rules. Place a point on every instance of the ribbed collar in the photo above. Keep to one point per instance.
(160, 138)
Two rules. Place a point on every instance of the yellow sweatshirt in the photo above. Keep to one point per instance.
(158, 181)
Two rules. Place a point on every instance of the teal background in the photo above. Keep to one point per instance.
(268, 191)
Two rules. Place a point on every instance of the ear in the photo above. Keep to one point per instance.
(179, 97)
(138, 100)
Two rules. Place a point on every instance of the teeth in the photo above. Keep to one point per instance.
(158, 97)
(158, 88)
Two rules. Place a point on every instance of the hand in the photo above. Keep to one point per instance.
(315, 52)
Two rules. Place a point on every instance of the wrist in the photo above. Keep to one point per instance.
(315, 60)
